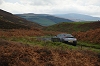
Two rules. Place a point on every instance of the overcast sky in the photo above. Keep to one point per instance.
(88, 7)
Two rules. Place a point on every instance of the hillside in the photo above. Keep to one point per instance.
(78, 17)
(92, 36)
(12, 54)
(9, 20)
(73, 27)
(10, 25)
(43, 19)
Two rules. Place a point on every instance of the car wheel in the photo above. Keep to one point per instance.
(74, 43)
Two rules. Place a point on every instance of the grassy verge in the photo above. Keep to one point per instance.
(89, 46)
(34, 41)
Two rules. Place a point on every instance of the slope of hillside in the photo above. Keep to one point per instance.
(18, 54)
(43, 19)
(10, 25)
(78, 17)
(10, 18)
(73, 27)
(92, 36)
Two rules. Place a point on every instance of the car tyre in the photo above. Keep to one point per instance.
(74, 43)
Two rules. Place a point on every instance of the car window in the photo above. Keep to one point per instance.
(69, 36)
(64, 35)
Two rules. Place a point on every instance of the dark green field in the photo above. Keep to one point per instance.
(73, 27)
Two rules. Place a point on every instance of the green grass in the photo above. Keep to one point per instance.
(34, 42)
(59, 45)
(82, 22)
(91, 45)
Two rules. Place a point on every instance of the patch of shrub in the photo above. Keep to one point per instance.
(18, 54)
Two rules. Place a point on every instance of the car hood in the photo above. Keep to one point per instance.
(70, 39)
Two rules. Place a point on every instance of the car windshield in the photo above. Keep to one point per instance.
(69, 36)
(65, 35)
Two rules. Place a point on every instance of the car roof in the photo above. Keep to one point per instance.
(64, 34)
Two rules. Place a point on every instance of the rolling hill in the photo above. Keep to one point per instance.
(78, 17)
(43, 19)
(8, 21)
(73, 27)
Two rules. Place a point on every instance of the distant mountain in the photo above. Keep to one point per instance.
(43, 19)
(8, 21)
(78, 17)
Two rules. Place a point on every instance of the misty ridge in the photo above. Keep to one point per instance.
(47, 19)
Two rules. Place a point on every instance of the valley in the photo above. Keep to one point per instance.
(20, 44)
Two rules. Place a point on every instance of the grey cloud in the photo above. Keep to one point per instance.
(37, 2)
(43, 2)
(91, 7)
